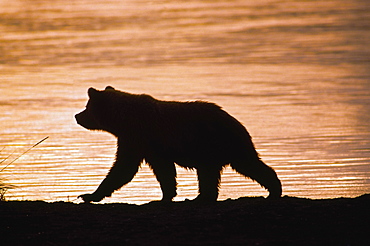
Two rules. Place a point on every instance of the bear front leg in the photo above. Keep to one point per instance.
(165, 172)
(122, 172)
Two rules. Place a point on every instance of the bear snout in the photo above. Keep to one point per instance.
(77, 117)
(85, 120)
(81, 119)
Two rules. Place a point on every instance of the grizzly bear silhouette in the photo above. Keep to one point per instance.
(195, 135)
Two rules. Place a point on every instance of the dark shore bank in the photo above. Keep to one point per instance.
(245, 221)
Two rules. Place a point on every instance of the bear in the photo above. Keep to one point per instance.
(196, 135)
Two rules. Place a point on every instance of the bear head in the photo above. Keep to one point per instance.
(97, 110)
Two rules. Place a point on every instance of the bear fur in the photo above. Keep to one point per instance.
(196, 135)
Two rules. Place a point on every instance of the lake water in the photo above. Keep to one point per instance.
(295, 73)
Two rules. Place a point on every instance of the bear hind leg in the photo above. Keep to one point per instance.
(165, 174)
(261, 173)
(209, 183)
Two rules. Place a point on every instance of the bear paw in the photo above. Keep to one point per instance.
(90, 198)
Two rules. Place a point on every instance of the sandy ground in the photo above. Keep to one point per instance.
(245, 221)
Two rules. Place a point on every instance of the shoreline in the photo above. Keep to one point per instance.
(244, 221)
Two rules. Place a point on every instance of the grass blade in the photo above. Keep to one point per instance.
(24, 152)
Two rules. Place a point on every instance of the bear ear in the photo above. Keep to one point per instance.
(109, 88)
(92, 92)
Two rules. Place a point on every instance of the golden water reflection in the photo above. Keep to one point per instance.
(296, 74)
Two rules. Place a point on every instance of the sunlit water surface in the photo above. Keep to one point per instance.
(295, 73)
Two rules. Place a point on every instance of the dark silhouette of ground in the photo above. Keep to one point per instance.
(245, 221)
